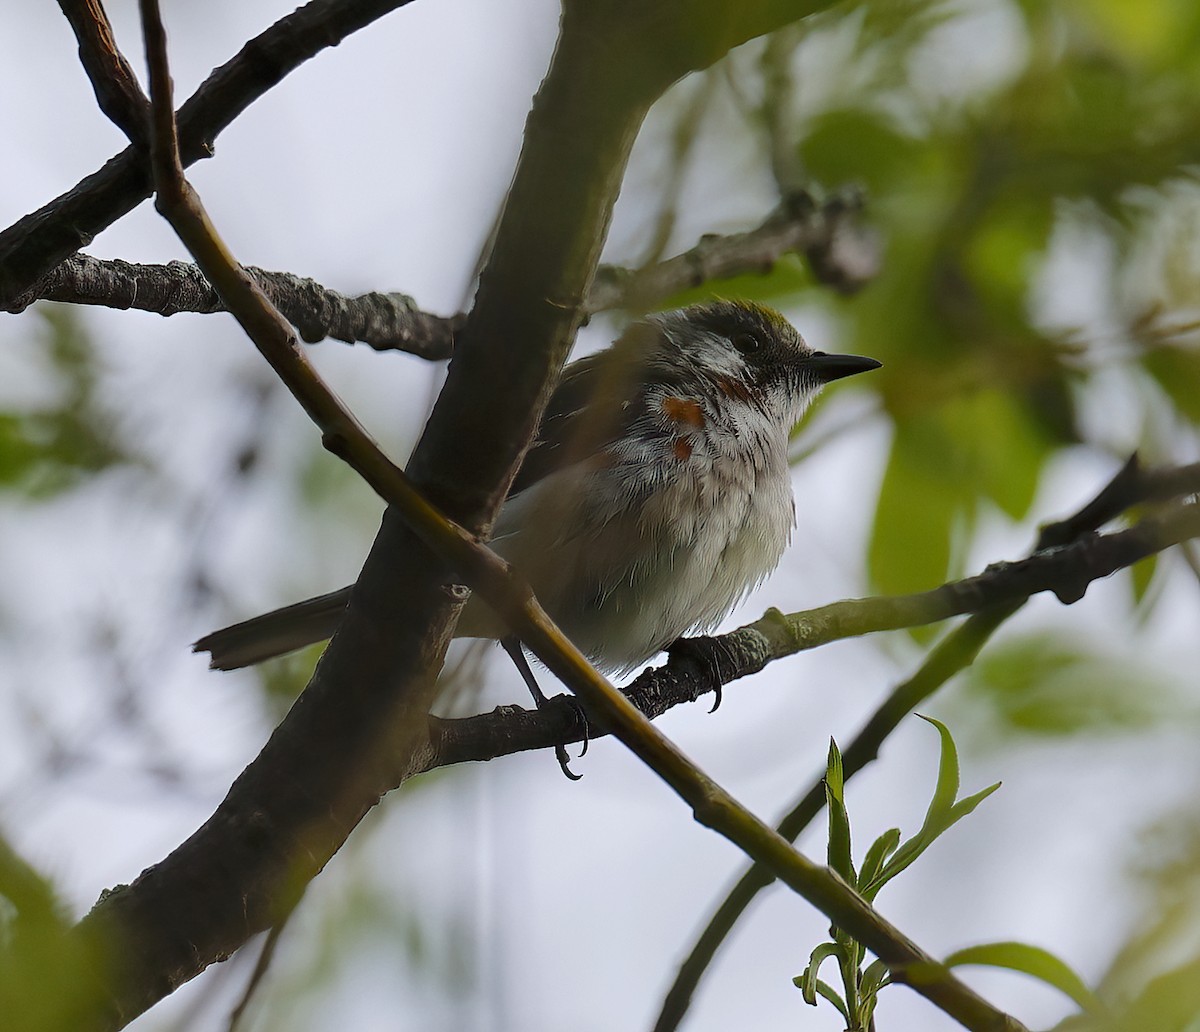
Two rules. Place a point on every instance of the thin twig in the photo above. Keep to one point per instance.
(261, 966)
(779, 91)
(682, 137)
(490, 576)
(843, 254)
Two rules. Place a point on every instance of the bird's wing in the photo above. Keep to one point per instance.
(596, 400)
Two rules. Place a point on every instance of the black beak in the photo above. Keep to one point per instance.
(833, 367)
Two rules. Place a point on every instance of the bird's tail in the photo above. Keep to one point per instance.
(275, 633)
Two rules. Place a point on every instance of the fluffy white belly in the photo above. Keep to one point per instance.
(626, 558)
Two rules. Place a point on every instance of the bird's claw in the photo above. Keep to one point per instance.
(513, 647)
(703, 651)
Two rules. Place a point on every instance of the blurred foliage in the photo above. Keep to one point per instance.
(1044, 684)
(992, 136)
(47, 972)
(47, 448)
(1154, 981)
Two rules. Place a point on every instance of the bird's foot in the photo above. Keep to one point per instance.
(706, 652)
(513, 647)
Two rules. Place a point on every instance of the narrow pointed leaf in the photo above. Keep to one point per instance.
(834, 777)
(966, 806)
(948, 780)
(876, 976)
(838, 852)
(943, 812)
(831, 994)
(1033, 961)
(806, 982)
(877, 855)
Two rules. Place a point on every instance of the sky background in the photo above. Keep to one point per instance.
(498, 896)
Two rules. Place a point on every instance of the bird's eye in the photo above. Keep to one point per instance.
(746, 343)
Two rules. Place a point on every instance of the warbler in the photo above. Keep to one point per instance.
(655, 496)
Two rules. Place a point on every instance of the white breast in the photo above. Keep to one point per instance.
(661, 535)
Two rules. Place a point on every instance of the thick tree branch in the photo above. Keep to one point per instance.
(36, 243)
(840, 251)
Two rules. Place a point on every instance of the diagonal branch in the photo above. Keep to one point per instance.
(956, 652)
(36, 243)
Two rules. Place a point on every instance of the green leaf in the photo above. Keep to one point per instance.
(1177, 372)
(1141, 574)
(835, 779)
(1045, 684)
(965, 806)
(47, 449)
(807, 982)
(997, 449)
(981, 445)
(915, 515)
(856, 146)
(1004, 242)
(838, 850)
(876, 976)
(948, 772)
(943, 812)
(1029, 960)
(827, 991)
(877, 855)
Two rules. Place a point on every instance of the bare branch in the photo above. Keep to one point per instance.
(683, 136)
(383, 321)
(261, 966)
(841, 252)
(113, 80)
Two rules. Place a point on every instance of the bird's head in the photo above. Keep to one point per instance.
(745, 352)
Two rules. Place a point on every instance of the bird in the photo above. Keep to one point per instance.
(656, 494)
